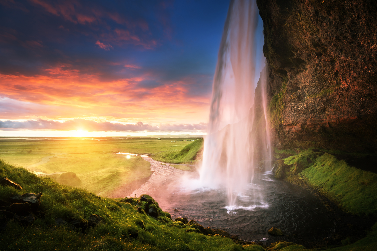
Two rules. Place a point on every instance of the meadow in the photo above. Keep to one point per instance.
(95, 163)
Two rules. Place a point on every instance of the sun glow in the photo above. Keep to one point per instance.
(80, 133)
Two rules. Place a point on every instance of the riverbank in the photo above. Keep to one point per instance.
(162, 180)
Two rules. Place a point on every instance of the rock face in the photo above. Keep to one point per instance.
(322, 72)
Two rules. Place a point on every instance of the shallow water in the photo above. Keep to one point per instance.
(300, 215)
(304, 218)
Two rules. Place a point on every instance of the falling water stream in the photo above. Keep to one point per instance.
(238, 141)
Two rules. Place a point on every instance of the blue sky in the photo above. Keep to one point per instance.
(108, 62)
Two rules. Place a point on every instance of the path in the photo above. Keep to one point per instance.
(161, 182)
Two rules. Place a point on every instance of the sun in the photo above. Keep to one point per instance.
(80, 133)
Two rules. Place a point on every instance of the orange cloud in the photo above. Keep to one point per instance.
(74, 94)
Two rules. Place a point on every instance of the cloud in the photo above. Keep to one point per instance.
(88, 125)
(103, 46)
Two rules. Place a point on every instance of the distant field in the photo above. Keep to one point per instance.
(94, 161)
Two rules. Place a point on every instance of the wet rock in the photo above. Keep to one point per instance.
(31, 198)
(275, 231)
(25, 203)
(7, 182)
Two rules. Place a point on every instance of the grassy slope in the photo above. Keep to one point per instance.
(121, 228)
(352, 188)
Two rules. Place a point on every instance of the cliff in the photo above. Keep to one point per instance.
(322, 73)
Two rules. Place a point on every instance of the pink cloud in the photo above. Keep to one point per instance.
(132, 66)
(103, 46)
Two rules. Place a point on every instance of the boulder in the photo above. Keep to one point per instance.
(32, 198)
(7, 182)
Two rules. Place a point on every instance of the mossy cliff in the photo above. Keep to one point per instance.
(322, 81)
(322, 72)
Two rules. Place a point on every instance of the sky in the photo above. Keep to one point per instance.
(107, 68)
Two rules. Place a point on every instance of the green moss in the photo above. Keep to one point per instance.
(277, 106)
(300, 161)
(353, 189)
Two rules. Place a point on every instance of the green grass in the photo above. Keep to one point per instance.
(187, 154)
(354, 189)
(121, 227)
(95, 162)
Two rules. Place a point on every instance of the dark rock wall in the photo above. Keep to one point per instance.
(322, 72)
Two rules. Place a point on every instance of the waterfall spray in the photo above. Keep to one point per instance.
(238, 141)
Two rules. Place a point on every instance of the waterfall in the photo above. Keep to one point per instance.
(237, 146)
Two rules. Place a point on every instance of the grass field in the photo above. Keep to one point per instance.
(94, 161)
